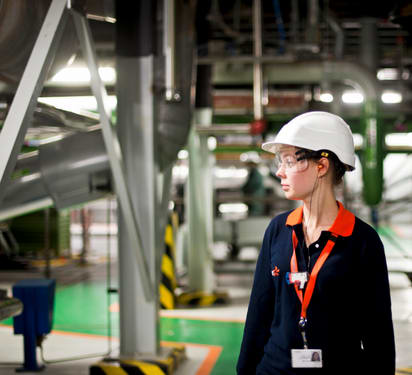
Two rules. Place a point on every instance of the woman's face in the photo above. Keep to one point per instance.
(298, 177)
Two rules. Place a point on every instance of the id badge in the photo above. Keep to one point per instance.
(299, 278)
(306, 358)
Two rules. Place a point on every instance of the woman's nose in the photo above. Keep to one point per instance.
(281, 171)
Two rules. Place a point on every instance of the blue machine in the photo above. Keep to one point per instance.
(37, 296)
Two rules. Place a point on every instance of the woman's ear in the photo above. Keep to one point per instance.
(323, 167)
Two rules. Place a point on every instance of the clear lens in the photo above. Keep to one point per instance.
(290, 163)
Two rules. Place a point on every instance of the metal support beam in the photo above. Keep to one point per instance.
(114, 152)
(24, 101)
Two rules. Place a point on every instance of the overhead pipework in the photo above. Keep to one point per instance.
(257, 65)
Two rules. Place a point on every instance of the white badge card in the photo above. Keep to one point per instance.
(299, 278)
(304, 358)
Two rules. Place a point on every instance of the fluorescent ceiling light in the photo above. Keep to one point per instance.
(211, 143)
(232, 208)
(391, 97)
(182, 154)
(326, 97)
(230, 172)
(387, 74)
(78, 104)
(180, 171)
(76, 75)
(391, 74)
(399, 139)
(352, 97)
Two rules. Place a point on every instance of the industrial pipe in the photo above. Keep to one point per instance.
(223, 129)
(313, 72)
(169, 37)
(257, 66)
(339, 36)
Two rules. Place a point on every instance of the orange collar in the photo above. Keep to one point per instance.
(342, 226)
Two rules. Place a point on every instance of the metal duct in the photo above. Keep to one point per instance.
(26, 183)
(72, 171)
(304, 72)
(175, 115)
(20, 23)
(76, 169)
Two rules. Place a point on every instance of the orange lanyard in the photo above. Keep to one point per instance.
(305, 299)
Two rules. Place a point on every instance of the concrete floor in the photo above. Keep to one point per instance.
(60, 346)
(203, 356)
(200, 357)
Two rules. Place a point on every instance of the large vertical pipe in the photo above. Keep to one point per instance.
(135, 49)
(372, 158)
(295, 22)
(169, 41)
(199, 199)
(257, 65)
(313, 22)
(339, 36)
(200, 207)
(369, 45)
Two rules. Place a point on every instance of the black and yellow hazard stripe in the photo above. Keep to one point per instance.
(127, 368)
(145, 367)
(161, 366)
(106, 368)
(202, 298)
(402, 371)
(168, 279)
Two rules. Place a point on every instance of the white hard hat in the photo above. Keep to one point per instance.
(317, 131)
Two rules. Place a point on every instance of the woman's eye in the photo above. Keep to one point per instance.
(288, 160)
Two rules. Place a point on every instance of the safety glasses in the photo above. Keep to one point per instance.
(291, 162)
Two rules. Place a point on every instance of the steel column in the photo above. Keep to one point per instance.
(115, 155)
(200, 207)
(135, 126)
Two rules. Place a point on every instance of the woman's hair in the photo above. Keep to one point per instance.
(338, 168)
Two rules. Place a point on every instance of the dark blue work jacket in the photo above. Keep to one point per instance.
(349, 316)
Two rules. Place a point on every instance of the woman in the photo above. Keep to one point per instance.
(321, 280)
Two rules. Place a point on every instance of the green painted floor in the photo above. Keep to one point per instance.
(82, 308)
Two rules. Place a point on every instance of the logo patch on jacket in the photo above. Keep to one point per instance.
(275, 271)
